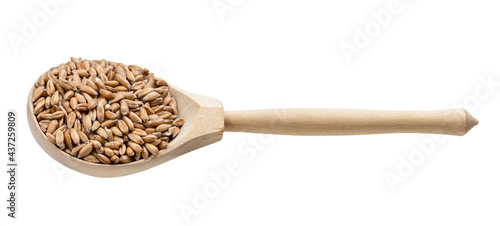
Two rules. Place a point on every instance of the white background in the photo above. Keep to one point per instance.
(273, 54)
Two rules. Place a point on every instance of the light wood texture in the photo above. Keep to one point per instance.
(322, 122)
(204, 124)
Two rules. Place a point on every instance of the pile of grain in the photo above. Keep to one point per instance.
(105, 112)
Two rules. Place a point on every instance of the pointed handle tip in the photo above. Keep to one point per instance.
(470, 122)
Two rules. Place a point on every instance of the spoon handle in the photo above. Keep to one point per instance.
(323, 122)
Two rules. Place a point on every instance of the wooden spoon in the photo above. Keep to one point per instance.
(205, 121)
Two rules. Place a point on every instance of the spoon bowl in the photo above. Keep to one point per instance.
(204, 125)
